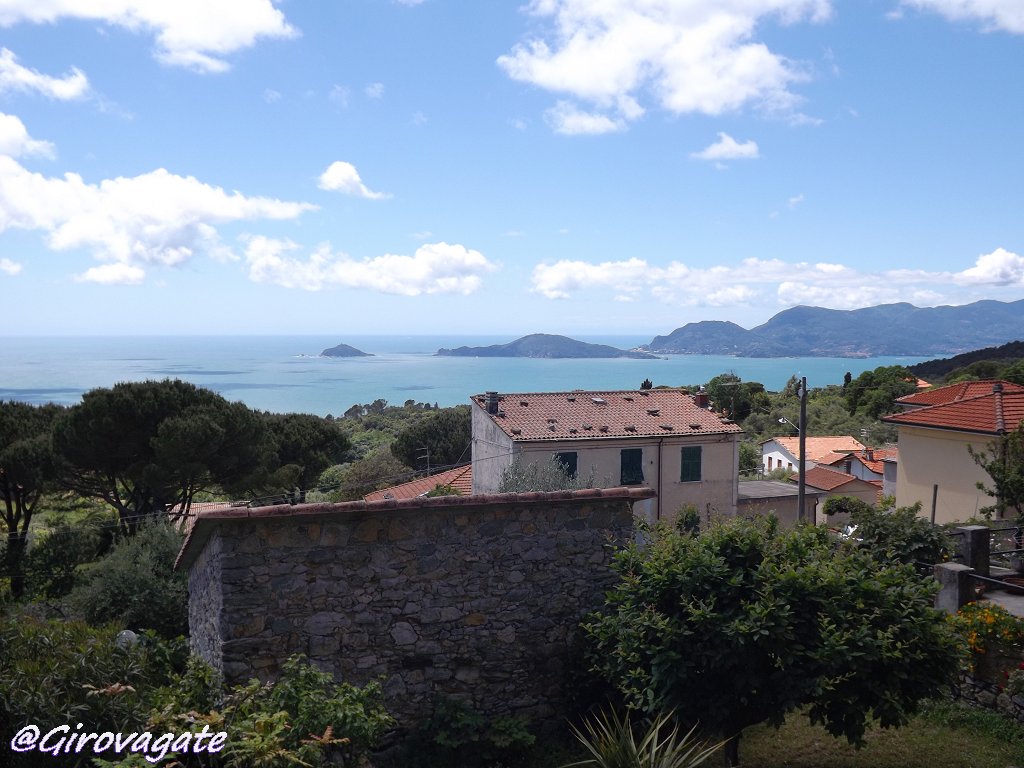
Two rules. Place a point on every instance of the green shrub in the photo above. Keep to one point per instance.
(456, 734)
(136, 585)
(443, 490)
(304, 719)
(746, 623)
(53, 561)
(550, 475)
(65, 672)
(901, 536)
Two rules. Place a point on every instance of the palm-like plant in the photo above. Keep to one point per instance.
(611, 740)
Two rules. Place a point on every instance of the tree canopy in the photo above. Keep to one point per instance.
(305, 445)
(1004, 463)
(873, 393)
(26, 472)
(745, 624)
(446, 434)
(144, 447)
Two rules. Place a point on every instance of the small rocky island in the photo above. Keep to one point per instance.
(344, 350)
(545, 345)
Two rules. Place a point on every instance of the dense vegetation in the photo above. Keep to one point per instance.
(744, 624)
(88, 554)
(1002, 362)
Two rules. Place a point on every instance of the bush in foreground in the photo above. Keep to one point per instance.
(746, 623)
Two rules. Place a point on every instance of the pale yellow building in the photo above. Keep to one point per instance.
(935, 466)
(665, 439)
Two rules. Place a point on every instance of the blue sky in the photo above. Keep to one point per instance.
(567, 166)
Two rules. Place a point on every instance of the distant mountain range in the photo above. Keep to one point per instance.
(545, 345)
(888, 329)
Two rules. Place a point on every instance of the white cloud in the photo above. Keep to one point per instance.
(339, 95)
(1001, 267)
(15, 77)
(196, 34)
(693, 57)
(567, 119)
(433, 268)
(727, 148)
(824, 284)
(113, 274)
(374, 91)
(9, 267)
(343, 177)
(155, 218)
(795, 200)
(1005, 15)
(15, 141)
(271, 96)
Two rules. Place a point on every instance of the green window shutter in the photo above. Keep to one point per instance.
(570, 461)
(689, 471)
(632, 466)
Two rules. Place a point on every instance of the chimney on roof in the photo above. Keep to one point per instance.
(870, 454)
(701, 398)
(997, 386)
(491, 401)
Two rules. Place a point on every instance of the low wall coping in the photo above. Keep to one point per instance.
(207, 521)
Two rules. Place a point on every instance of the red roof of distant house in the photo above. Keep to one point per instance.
(994, 413)
(600, 415)
(952, 393)
(873, 459)
(460, 478)
(820, 449)
(826, 478)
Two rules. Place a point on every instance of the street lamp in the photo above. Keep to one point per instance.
(784, 420)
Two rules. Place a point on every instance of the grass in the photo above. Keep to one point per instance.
(946, 735)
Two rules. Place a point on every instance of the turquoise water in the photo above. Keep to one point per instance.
(286, 374)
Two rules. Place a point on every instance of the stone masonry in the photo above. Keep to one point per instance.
(473, 597)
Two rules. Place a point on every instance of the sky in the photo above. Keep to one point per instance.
(560, 166)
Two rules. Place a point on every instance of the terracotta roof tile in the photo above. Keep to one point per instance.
(821, 449)
(952, 393)
(992, 413)
(873, 459)
(598, 415)
(460, 478)
(826, 478)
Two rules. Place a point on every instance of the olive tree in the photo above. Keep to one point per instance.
(746, 623)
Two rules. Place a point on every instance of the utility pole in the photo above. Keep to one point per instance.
(425, 455)
(802, 459)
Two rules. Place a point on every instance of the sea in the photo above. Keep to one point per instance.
(287, 374)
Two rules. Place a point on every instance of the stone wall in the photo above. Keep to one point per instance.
(478, 598)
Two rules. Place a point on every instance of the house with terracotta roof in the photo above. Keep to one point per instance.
(459, 478)
(784, 452)
(953, 393)
(868, 464)
(665, 439)
(836, 482)
(935, 466)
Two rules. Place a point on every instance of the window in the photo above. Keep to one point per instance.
(769, 463)
(689, 468)
(632, 466)
(568, 460)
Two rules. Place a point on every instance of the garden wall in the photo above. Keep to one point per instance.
(475, 597)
